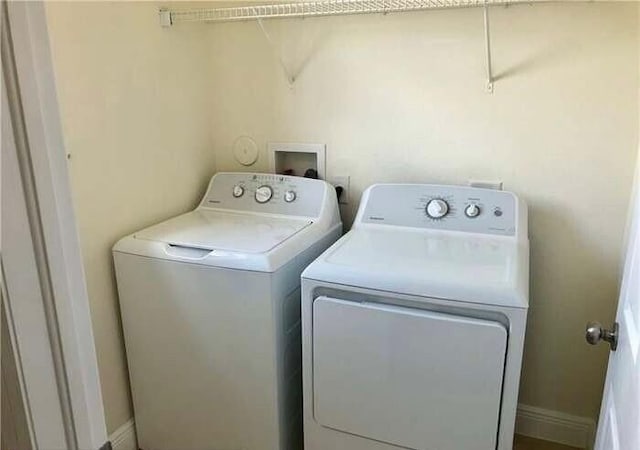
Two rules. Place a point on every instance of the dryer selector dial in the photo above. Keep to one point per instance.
(264, 194)
(437, 208)
(472, 211)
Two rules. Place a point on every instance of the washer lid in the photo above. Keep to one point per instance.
(218, 230)
(448, 265)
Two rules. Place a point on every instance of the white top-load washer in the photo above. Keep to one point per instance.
(413, 323)
(210, 304)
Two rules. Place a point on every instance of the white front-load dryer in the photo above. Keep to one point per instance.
(414, 321)
(210, 304)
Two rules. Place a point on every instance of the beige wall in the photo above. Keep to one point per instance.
(396, 98)
(400, 98)
(136, 122)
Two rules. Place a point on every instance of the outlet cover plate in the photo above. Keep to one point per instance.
(343, 181)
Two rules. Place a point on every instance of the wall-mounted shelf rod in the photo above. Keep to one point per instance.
(317, 9)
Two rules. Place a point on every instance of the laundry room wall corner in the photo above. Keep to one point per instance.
(137, 134)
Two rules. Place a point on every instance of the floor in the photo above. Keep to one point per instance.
(527, 443)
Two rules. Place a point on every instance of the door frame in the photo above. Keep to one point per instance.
(33, 108)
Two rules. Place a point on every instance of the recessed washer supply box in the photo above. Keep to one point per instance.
(297, 158)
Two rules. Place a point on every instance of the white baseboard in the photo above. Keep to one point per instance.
(124, 438)
(534, 422)
(555, 426)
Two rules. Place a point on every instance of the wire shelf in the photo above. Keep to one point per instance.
(320, 8)
(317, 8)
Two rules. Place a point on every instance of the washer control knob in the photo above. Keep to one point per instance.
(437, 208)
(472, 211)
(289, 196)
(264, 194)
(238, 191)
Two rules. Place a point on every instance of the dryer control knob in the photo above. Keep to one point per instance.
(289, 196)
(264, 194)
(437, 208)
(238, 191)
(472, 211)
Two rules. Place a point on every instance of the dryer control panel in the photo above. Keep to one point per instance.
(455, 208)
(267, 193)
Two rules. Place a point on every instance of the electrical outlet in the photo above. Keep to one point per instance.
(486, 184)
(343, 182)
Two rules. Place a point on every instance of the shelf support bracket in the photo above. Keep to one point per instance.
(487, 39)
(291, 78)
(164, 15)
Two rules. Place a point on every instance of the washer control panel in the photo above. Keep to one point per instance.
(456, 208)
(269, 193)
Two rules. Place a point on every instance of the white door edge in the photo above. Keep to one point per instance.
(619, 420)
(33, 68)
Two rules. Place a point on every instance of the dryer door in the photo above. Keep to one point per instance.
(409, 377)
